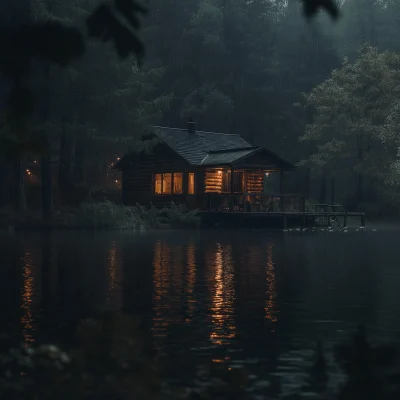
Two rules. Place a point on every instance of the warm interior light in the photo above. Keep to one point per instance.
(27, 170)
(118, 158)
(219, 172)
(267, 174)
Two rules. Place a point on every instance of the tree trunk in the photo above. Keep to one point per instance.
(47, 189)
(64, 171)
(79, 160)
(307, 192)
(360, 189)
(360, 179)
(20, 195)
(322, 194)
(3, 188)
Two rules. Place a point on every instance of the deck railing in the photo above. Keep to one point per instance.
(254, 202)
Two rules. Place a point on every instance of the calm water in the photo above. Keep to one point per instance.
(245, 297)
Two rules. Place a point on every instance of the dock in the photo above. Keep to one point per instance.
(273, 212)
(277, 220)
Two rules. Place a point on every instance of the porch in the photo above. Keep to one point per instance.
(248, 188)
(254, 202)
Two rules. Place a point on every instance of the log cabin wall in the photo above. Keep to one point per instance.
(254, 181)
(138, 184)
(213, 180)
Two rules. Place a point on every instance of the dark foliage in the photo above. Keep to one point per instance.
(105, 24)
(311, 7)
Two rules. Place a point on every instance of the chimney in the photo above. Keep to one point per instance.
(191, 126)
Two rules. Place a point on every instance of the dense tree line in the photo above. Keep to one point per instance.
(233, 65)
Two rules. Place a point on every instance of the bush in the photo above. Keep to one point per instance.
(107, 215)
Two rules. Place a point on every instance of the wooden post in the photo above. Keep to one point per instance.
(345, 220)
(303, 204)
(285, 222)
(231, 202)
(363, 220)
(281, 194)
(332, 190)
(322, 194)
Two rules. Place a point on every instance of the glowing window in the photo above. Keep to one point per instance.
(178, 183)
(167, 183)
(191, 183)
(158, 183)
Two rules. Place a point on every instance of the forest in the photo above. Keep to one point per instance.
(321, 92)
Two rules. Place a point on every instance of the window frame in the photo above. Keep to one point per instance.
(188, 183)
(162, 174)
(173, 182)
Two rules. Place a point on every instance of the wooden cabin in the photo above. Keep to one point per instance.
(204, 170)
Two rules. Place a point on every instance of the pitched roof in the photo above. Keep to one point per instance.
(209, 148)
(227, 156)
(194, 148)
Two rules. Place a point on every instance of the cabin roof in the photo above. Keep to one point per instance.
(226, 156)
(210, 148)
(194, 147)
(207, 148)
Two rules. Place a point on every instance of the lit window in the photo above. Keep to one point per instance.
(158, 184)
(167, 183)
(178, 183)
(191, 183)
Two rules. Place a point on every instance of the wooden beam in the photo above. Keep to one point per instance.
(281, 188)
(231, 205)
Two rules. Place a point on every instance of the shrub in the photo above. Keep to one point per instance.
(106, 215)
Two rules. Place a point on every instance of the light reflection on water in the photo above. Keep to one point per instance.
(221, 285)
(114, 297)
(220, 295)
(29, 294)
(271, 310)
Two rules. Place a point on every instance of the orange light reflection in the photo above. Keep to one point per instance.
(114, 298)
(27, 299)
(222, 309)
(271, 310)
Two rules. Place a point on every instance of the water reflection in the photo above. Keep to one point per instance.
(28, 292)
(174, 282)
(271, 290)
(222, 309)
(190, 282)
(114, 298)
(161, 286)
(214, 294)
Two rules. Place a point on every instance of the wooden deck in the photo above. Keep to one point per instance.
(277, 220)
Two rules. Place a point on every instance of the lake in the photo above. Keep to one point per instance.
(243, 297)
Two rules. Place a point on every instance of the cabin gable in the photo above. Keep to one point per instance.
(263, 159)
